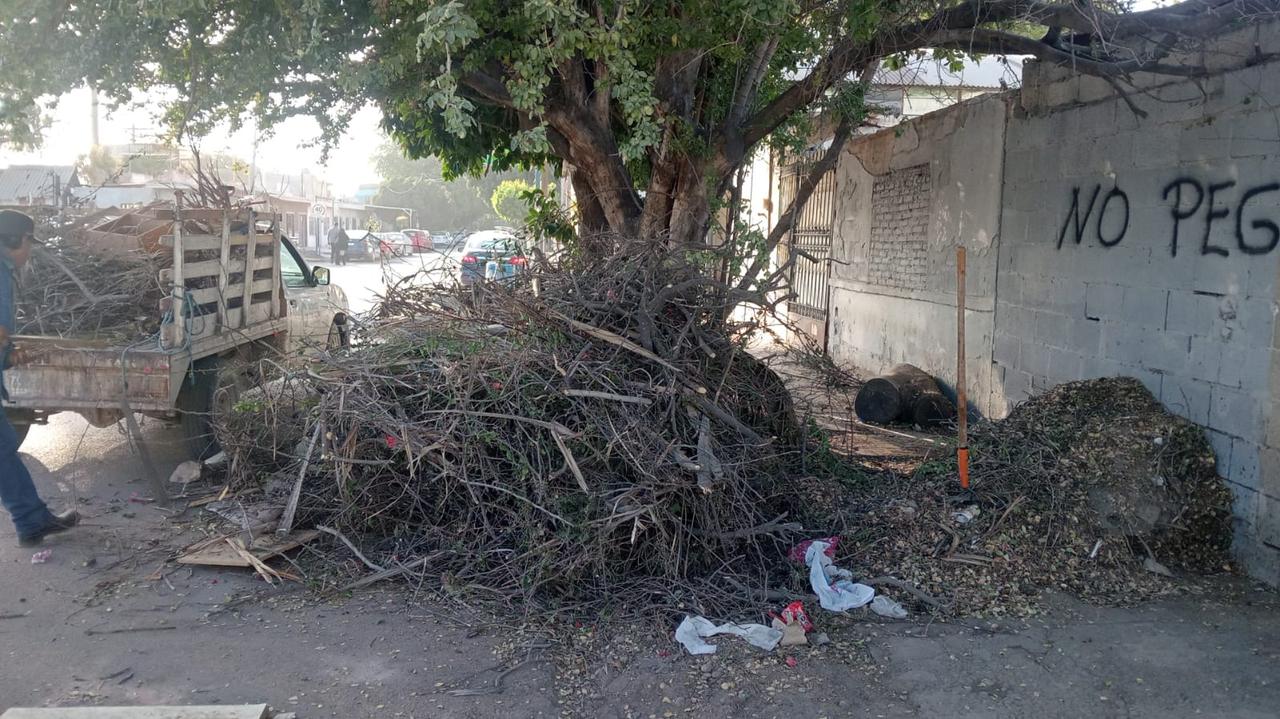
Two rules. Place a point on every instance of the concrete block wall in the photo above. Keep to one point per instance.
(1103, 243)
(927, 185)
(1149, 247)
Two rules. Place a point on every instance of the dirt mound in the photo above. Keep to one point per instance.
(1075, 491)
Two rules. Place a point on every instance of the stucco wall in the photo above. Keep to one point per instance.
(892, 304)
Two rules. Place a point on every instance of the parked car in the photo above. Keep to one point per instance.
(443, 241)
(420, 239)
(394, 244)
(363, 245)
(490, 255)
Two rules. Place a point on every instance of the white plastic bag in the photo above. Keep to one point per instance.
(841, 595)
(886, 607)
(692, 630)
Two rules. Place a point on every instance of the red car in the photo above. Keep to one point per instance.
(421, 240)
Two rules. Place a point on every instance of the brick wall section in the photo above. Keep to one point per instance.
(900, 202)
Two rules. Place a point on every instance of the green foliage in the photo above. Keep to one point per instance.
(547, 218)
(508, 200)
(483, 86)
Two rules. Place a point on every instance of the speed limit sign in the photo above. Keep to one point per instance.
(319, 209)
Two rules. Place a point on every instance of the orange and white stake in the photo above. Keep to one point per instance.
(962, 406)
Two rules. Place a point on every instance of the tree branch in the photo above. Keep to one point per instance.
(957, 26)
(788, 218)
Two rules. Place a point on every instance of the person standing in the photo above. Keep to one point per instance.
(31, 516)
(338, 243)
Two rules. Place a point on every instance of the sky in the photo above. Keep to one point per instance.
(350, 164)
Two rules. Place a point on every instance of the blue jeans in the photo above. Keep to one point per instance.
(17, 492)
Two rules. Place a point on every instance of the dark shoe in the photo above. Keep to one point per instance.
(56, 523)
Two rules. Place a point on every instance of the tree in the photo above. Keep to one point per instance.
(652, 106)
(460, 203)
(99, 165)
(508, 200)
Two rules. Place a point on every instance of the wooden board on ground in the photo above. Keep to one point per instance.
(246, 711)
(215, 552)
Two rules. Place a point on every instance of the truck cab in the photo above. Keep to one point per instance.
(317, 309)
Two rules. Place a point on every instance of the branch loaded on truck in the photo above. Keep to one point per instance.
(233, 290)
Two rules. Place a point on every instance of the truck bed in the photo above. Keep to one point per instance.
(87, 376)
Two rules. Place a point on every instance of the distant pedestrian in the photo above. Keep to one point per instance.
(31, 516)
(338, 244)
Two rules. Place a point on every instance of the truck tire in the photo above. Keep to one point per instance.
(207, 397)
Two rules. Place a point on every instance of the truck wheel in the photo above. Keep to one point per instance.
(339, 337)
(206, 400)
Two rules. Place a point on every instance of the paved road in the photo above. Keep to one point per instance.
(365, 281)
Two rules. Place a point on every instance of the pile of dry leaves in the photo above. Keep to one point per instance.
(1091, 488)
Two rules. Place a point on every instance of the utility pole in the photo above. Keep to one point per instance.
(93, 118)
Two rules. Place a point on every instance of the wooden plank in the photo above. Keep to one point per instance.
(276, 248)
(179, 285)
(213, 294)
(252, 250)
(265, 546)
(205, 242)
(224, 261)
(212, 268)
(198, 214)
(243, 711)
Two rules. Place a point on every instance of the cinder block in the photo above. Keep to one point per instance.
(1051, 329)
(1034, 359)
(1103, 301)
(1255, 321)
(1205, 361)
(1271, 410)
(1085, 337)
(1166, 351)
(1060, 92)
(1064, 366)
(1153, 380)
(1219, 275)
(1247, 368)
(1145, 307)
(1244, 463)
(1232, 49)
(1066, 296)
(1179, 103)
(1186, 397)
(1204, 142)
(1255, 135)
(1268, 520)
(1017, 386)
(1152, 144)
(1236, 413)
(1191, 313)
(1221, 445)
(1006, 350)
(1244, 509)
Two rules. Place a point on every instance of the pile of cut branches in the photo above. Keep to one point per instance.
(583, 432)
(68, 290)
